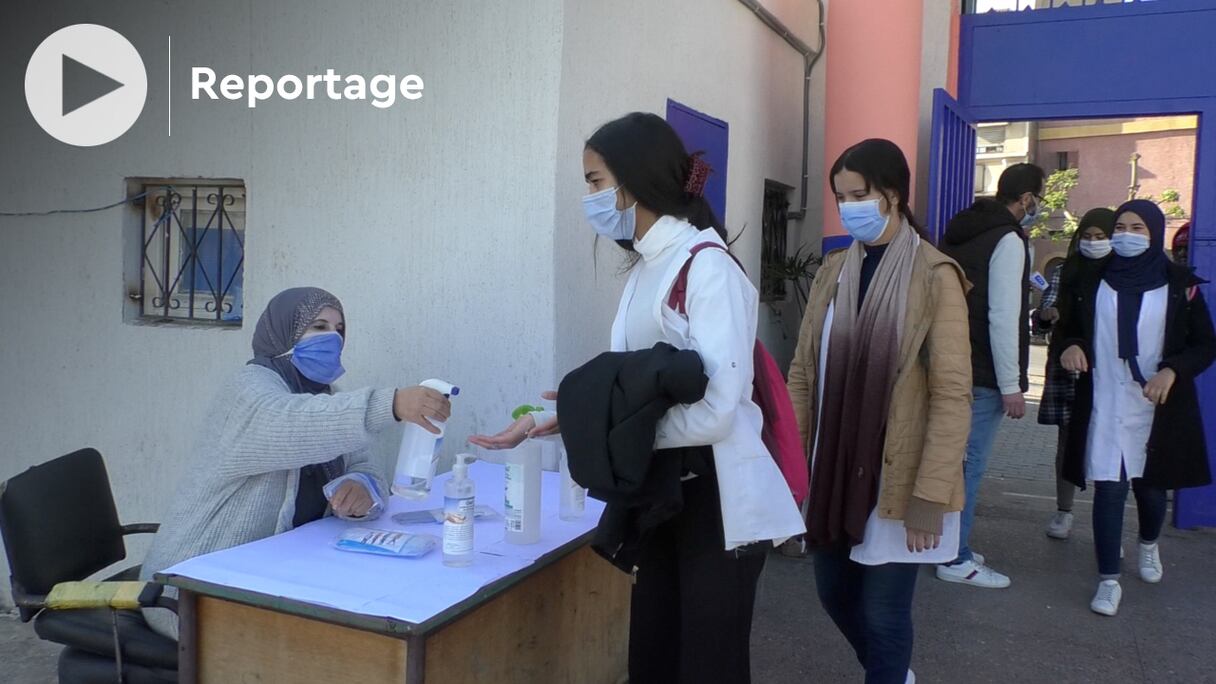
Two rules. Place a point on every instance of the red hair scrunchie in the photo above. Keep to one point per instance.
(698, 175)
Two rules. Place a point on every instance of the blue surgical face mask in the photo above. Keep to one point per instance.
(319, 358)
(605, 219)
(1030, 217)
(1130, 245)
(863, 220)
(1094, 249)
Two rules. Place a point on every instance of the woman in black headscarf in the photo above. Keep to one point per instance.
(1140, 336)
(279, 448)
(1088, 253)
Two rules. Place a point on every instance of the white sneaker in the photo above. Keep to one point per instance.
(911, 679)
(1106, 601)
(1150, 563)
(1060, 526)
(977, 557)
(970, 572)
(794, 547)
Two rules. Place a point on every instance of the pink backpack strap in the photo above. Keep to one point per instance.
(780, 432)
(679, 291)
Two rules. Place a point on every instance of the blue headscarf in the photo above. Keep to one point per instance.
(1132, 277)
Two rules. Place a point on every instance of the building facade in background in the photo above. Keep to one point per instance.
(1115, 160)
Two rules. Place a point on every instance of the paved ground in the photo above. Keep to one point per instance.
(23, 657)
(1040, 630)
(1025, 450)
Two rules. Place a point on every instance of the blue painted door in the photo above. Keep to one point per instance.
(951, 162)
(1196, 507)
(703, 133)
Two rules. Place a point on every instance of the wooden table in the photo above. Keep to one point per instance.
(562, 618)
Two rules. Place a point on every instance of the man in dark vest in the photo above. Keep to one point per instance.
(989, 241)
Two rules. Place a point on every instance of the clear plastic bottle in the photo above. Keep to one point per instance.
(459, 493)
(573, 501)
(419, 452)
(521, 508)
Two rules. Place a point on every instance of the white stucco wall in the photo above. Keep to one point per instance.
(633, 55)
(934, 68)
(431, 220)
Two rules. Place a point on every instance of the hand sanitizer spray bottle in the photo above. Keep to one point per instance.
(458, 508)
(419, 450)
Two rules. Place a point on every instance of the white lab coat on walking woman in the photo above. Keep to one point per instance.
(721, 327)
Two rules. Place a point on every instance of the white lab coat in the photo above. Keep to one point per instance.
(756, 501)
(1122, 418)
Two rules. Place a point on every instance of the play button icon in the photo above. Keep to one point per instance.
(83, 84)
(86, 85)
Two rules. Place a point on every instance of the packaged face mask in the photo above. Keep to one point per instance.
(386, 542)
(435, 515)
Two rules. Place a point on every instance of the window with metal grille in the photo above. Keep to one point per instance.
(775, 230)
(192, 262)
(991, 139)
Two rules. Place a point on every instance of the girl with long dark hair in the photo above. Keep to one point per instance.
(696, 572)
(881, 383)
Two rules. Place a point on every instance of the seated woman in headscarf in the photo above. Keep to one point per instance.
(277, 438)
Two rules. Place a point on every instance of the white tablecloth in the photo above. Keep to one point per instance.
(303, 564)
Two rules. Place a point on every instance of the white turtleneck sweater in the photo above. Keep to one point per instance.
(662, 243)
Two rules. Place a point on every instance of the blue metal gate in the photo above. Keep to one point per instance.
(951, 162)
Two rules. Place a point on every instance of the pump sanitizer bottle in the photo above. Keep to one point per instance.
(458, 512)
(419, 452)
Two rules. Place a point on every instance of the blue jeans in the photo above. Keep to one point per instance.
(987, 409)
(872, 606)
(1109, 499)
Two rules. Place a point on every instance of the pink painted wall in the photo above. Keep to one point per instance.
(873, 82)
(952, 62)
(1167, 161)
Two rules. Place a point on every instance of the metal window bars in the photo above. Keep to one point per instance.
(193, 253)
(774, 224)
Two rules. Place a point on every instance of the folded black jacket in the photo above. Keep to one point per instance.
(610, 409)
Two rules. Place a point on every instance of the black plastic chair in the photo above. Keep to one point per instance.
(60, 526)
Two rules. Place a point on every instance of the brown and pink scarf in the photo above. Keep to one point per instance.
(862, 363)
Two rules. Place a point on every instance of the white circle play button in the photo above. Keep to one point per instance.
(86, 85)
